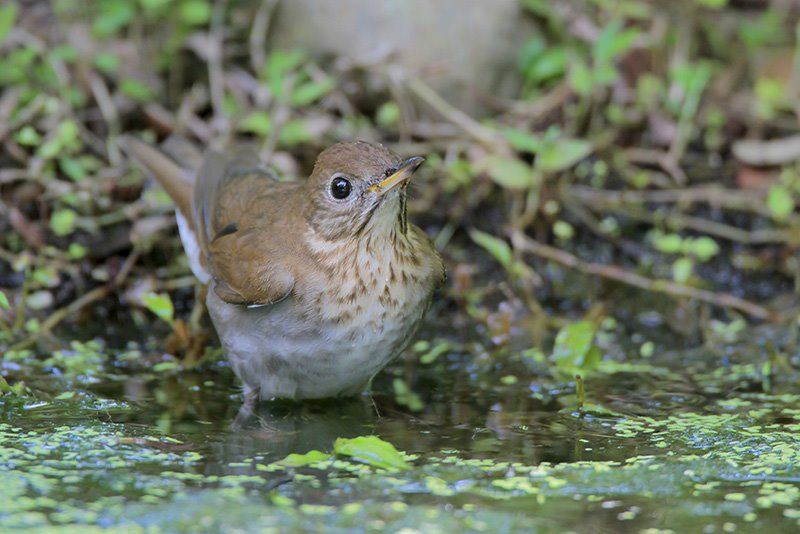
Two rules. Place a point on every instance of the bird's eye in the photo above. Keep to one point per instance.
(340, 188)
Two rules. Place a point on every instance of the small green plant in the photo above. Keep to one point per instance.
(81, 360)
(17, 390)
(574, 351)
(405, 396)
(500, 251)
(161, 305)
(580, 392)
(690, 249)
(542, 64)
(613, 41)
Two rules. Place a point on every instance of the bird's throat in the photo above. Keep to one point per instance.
(402, 216)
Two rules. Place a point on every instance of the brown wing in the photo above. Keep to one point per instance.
(235, 204)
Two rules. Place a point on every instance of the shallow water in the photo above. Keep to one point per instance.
(494, 445)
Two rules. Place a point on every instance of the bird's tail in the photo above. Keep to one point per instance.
(163, 163)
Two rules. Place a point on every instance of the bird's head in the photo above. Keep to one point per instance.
(358, 187)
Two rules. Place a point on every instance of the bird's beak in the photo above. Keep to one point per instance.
(400, 175)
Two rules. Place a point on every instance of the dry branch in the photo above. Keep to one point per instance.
(523, 243)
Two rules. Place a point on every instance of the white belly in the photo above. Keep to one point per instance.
(279, 352)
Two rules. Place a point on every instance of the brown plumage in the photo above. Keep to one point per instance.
(316, 285)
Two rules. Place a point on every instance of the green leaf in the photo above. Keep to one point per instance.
(682, 270)
(581, 79)
(573, 347)
(780, 202)
(66, 53)
(703, 248)
(107, 62)
(497, 247)
(5, 387)
(68, 133)
(76, 251)
(612, 42)
(112, 16)
(300, 460)
(549, 64)
(649, 90)
(371, 450)
(49, 149)
(62, 222)
(166, 367)
(258, 122)
(562, 154)
(508, 171)
(522, 140)
(406, 397)
(279, 63)
(28, 136)
(137, 90)
(161, 305)
(195, 12)
(8, 16)
(73, 168)
(667, 243)
(295, 132)
(592, 359)
(154, 6)
(770, 97)
(563, 230)
(4, 301)
(310, 92)
(431, 355)
(388, 115)
(45, 276)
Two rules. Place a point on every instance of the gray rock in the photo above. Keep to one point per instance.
(464, 49)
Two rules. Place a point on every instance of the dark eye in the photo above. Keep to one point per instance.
(340, 188)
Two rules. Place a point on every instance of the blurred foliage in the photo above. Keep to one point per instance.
(618, 152)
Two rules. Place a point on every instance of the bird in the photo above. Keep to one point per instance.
(313, 286)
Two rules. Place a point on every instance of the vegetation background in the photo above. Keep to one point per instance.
(648, 146)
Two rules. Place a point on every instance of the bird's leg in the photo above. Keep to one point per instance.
(246, 410)
(199, 308)
(194, 337)
(374, 404)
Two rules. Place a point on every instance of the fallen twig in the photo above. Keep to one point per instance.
(752, 201)
(31, 233)
(679, 221)
(523, 243)
(456, 116)
(762, 153)
(664, 160)
(535, 110)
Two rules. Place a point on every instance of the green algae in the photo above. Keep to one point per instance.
(76, 459)
(300, 460)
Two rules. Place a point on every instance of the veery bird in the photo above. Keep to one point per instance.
(315, 286)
